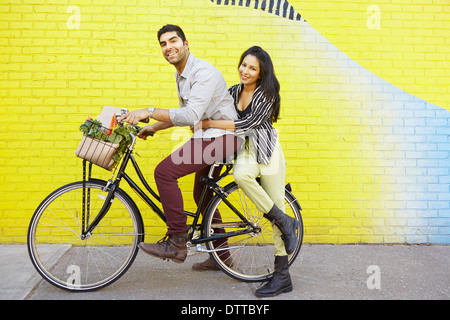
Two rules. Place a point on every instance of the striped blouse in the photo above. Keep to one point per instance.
(257, 124)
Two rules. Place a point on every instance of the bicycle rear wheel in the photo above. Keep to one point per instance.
(248, 257)
(67, 261)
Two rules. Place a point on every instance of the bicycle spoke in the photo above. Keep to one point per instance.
(249, 257)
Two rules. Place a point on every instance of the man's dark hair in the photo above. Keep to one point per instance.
(170, 28)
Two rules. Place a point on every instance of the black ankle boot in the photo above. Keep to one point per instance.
(281, 281)
(287, 226)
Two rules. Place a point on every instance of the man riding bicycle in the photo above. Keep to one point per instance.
(203, 94)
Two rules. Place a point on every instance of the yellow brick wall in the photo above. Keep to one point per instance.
(363, 113)
(405, 42)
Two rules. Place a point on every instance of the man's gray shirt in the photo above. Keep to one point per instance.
(202, 94)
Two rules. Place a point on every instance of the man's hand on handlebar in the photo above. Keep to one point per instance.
(135, 116)
(146, 131)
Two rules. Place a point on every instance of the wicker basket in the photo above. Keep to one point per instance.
(98, 152)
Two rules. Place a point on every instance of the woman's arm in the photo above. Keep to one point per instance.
(241, 126)
(260, 113)
(221, 124)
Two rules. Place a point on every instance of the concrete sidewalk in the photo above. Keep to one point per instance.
(320, 272)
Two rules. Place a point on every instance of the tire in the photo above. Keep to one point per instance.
(252, 254)
(64, 259)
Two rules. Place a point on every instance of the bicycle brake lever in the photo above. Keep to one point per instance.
(123, 111)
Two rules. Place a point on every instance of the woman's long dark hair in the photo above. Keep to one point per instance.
(268, 81)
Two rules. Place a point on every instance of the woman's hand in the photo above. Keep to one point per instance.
(146, 131)
(202, 125)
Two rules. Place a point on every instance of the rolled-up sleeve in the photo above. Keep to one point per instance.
(200, 97)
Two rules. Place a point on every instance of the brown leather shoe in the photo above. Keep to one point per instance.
(172, 247)
(209, 265)
(206, 265)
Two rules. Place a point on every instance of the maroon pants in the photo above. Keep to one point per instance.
(196, 155)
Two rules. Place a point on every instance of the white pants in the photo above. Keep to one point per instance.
(271, 191)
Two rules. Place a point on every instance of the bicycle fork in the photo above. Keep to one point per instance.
(86, 227)
(106, 205)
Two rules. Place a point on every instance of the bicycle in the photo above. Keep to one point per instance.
(84, 235)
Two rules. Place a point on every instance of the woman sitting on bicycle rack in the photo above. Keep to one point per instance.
(257, 102)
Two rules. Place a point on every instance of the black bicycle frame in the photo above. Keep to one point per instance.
(210, 183)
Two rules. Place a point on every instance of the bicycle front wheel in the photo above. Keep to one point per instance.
(72, 262)
(248, 256)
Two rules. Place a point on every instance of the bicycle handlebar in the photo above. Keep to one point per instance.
(124, 111)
